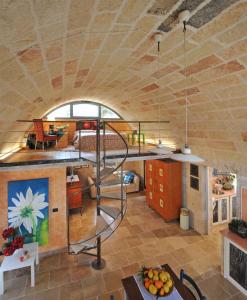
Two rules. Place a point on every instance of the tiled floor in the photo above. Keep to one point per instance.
(142, 239)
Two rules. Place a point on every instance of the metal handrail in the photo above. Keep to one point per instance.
(123, 209)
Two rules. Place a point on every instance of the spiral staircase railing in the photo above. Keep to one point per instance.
(103, 228)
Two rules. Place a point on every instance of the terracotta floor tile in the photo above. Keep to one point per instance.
(134, 255)
(80, 272)
(113, 280)
(51, 294)
(14, 288)
(115, 261)
(177, 242)
(72, 291)
(134, 229)
(167, 259)
(49, 263)
(134, 241)
(93, 287)
(59, 277)
(118, 295)
(131, 269)
(41, 283)
(182, 256)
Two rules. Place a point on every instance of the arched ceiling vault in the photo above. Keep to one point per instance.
(53, 51)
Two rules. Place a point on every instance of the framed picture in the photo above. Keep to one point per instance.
(28, 209)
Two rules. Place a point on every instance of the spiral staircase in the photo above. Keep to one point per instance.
(108, 217)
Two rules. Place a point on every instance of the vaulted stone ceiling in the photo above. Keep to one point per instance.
(53, 51)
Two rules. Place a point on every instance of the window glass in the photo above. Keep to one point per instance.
(61, 112)
(108, 114)
(85, 110)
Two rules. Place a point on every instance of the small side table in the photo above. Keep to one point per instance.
(13, 262)
(74, 192)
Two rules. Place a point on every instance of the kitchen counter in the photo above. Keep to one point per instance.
(236, 239)
(234, 264)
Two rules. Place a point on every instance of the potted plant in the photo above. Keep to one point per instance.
(239, 227)
(13, 242)
(228, 182)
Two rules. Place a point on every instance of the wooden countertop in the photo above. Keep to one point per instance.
(235, 238)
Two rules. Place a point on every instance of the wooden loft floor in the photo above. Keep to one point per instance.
(67, 153)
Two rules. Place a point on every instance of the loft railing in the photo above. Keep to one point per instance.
(15, 149)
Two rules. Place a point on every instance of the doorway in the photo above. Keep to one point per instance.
(222, 199)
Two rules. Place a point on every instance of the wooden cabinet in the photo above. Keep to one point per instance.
(164, 187)
(74, 194)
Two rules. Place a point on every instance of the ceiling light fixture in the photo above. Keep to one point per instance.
(183, 17)
(186, 155)
(157, 38)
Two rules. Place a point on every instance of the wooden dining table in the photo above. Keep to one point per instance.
(132, 291)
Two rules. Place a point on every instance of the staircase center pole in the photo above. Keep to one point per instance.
(98, 263)
(122, 191)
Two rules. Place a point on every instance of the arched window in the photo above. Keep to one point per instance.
(82, 110)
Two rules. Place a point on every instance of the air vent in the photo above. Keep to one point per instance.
(202, 17)
(210, 11)
(162, 7)
(172, 19)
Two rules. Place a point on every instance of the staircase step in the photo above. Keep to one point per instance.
(82, 246)
(101, 224)
(111, 195)
(111, 211)
(105, 234)
(103, 228)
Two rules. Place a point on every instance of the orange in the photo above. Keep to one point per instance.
(162, 292)
(147, 284)
(158, 284)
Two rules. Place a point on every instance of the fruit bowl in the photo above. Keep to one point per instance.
(157, 282)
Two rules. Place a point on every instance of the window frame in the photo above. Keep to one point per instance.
(72, 117)
(194, 177)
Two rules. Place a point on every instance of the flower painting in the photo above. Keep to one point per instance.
(28, 209)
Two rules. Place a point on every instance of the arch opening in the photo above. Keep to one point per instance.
(82, 109)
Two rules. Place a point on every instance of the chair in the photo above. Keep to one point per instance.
(135, 135)
(41, 136)
(184, 276)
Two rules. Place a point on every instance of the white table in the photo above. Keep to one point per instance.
(13, 262)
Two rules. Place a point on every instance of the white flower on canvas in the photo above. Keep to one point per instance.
(27, 210)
